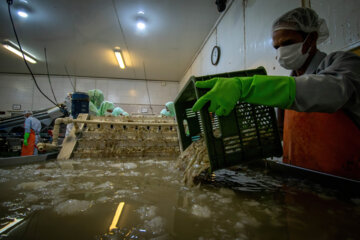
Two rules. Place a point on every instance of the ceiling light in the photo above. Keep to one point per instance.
(22, 14)
(119, 59)
(141, 25)
(141, 12)
(15, 49)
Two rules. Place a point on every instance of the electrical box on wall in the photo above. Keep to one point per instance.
(16, 107)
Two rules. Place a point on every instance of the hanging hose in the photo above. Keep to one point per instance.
(70, 79)
(48, 74)
(9, 2)
(147, 89)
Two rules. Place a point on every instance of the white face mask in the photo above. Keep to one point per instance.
(291, 57)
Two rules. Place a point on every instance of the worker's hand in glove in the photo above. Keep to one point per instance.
(26, 136)
(224, 94)
(275, 91)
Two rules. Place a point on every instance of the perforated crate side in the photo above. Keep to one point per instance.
(189, 122)
(248, 132)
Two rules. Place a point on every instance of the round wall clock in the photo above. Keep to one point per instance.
(215, 55)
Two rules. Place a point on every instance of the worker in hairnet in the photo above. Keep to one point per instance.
(164, 112)
(118, 111)
(169, 110)
(31, 135)
(96, 98)
(68, 104)
(321, 97)
(106, 108)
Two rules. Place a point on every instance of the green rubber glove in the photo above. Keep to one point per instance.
(26, 136)
(275, 91)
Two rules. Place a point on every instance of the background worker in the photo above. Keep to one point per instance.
(96, 98)
(118, 111)
(31, 135)
(68, 104)
(169, 110)
(106, 108)
(322, 96)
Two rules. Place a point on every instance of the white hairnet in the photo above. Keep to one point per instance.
(28, 112)
(302, 19)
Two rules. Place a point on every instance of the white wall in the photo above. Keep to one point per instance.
(343, 20)
(255, 49)
(131, 95)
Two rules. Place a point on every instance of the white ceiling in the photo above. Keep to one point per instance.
(82, 34)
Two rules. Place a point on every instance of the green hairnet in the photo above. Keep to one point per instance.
(119, 111)
(96, 96)
(104, 107)
(304, 20)
(164, 112)
(170, 106)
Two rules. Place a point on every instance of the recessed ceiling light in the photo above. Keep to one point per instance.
(120, 58)
(141, 12)
(22, 14)
(141, 25)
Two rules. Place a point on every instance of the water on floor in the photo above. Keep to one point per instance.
(145, 199)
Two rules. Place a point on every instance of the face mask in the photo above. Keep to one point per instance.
(291, 57)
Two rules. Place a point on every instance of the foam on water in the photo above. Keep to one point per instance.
(155, 225)
(147, 212)
(72, 206)
(32, 185)
(236, 205)
(201, 211)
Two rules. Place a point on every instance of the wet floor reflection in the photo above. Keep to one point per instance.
(145, 199)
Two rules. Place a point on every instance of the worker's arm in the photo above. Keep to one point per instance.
(27, 130)
(27, 125)
(335, 85)
(26, 136)
(276, 91)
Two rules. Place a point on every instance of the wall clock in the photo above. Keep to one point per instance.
(215, 55)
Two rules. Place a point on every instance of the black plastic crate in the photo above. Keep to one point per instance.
(249, 132)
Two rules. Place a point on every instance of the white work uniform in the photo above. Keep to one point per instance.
(330, 83)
